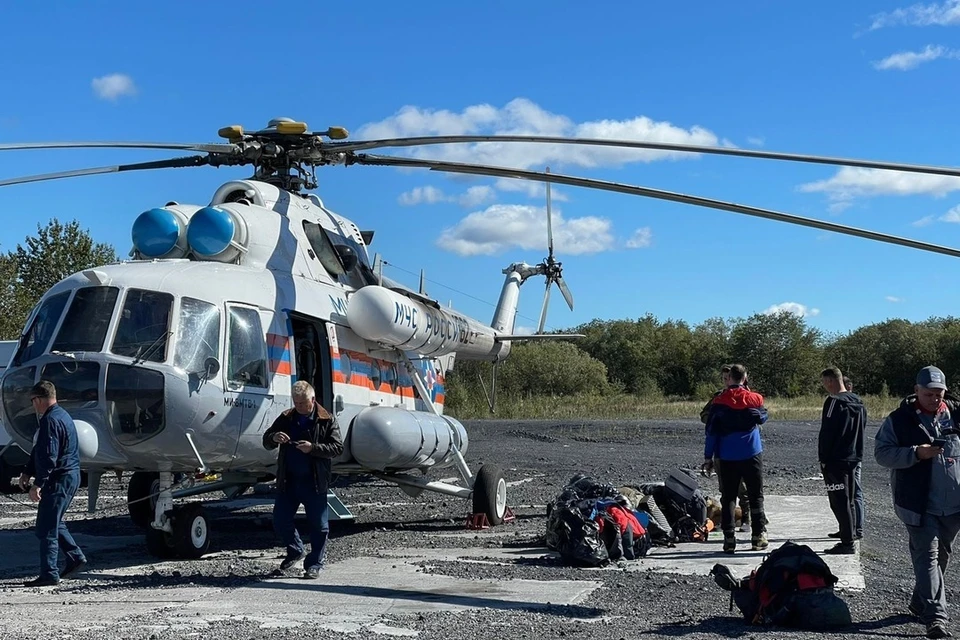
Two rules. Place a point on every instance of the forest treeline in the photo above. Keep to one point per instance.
(647, 357)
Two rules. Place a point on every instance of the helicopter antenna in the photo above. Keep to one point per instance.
(551, 268)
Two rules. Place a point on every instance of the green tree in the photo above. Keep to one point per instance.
(782, 354)
(551, 368)
(57, 251)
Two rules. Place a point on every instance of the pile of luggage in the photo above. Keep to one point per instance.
(592, 523)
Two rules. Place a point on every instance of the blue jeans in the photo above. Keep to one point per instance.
(296, 492)
(55, 499)
(858, 503)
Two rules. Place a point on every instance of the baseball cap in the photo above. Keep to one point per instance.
(931, 378)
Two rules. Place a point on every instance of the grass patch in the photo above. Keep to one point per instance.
(626, 406)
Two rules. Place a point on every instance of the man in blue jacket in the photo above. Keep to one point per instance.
(55, 468)
(733, 436)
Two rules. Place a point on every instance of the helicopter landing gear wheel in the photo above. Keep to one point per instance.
(191, 531)
(143, 484)
(490, 494)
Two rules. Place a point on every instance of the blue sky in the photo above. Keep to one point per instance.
(868, 80)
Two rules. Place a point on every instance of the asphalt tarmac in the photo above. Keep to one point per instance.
(408, 567)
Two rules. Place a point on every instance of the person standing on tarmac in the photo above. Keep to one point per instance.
(840, 449)
(733, 436)
(704, 414)
(859, 504)
(55, 467)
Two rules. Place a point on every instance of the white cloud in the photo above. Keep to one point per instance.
(521, 330)
(422, 195)
(906, 60)
(894, 299)
(851, 182)
(795, 308)
(920, 15)
(923, 222)
(641, 238)
(531, 188)
(523, 117)
(755, 141)
(477, 195)
(504, 226)
(953, 215)
(472, 197)
(113, 86)
(839, 206)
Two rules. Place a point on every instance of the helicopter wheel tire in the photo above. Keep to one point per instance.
(142, 484)
(160, 544)
(490, 493)
(191, 531)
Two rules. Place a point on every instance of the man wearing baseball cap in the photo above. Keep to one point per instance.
(918, 443)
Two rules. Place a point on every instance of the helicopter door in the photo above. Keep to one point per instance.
(312, 352)
(247, 391)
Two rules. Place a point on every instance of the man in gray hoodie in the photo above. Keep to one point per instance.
(918, 443)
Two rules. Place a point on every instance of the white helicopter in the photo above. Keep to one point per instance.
(176, 361)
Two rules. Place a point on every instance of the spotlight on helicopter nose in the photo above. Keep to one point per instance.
(159, 233)
(217, 234)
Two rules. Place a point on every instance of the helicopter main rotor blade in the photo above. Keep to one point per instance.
(565, 292)
(202, 148)
(637, 144)
(590, 183)
(543, 309)
(189, 161)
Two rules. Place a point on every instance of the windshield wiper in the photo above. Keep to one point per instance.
(159, 342)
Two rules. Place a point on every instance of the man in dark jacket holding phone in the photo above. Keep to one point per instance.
(840, 449)
(308, 437)
(918, 443)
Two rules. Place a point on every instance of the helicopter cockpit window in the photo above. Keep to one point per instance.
(247, 359)
(77, 383)
(85, 326)
(198, 337)
(134, 397)
(323, 249)
(144, 325)
(16, 401)
(34, 341)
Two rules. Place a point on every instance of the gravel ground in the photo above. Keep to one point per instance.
(627, 605)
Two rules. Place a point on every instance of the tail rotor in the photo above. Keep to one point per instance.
(552, 269)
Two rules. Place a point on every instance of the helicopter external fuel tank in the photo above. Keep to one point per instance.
(385, 316)
(393, 438)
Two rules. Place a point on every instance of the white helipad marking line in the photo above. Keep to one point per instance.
(801, 519)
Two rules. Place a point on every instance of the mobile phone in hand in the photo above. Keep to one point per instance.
(940, 442)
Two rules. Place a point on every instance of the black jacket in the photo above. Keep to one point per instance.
(842, 423)
(326, 440)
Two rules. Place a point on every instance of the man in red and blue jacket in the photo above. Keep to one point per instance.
(733, 437)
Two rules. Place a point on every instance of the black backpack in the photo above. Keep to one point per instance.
(792, 587)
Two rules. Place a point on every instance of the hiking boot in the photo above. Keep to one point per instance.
(842, 548)
(836, 535)
(47, 581)
(73, 567)
(938, 630)
(729, 543)
(290, 560)
(312, 573)
(759, 543)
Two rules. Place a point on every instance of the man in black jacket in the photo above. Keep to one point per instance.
(840, 449)
(308, 437)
